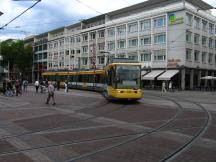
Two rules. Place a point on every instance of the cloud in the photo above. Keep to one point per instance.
(51, 14)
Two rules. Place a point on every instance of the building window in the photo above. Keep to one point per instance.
(215, 59)
(78, 39)
(215, 43)
(50, 64)
(159, 55)
(93, 35)
(111, 46)
(85, 37)
(45, 47)
(189, 19)
(55, 44)
(146, 57)
(61, 43)
(196, 56)
(72, 40)
(132, 28)
(204, 41)
(85, 49)
(85, 61)
(72, 51)
(111, 32)
(101, 46)
(210, 43)
(133, 57)
(61, 64)
(188, 54)
(146, 40)
(121, 44)
(196, 38)
(101, 34)
(121, 56)
(133, 43)
(188, 37)
(159, 22)
(204, 55)
(145, 25)
(45, 55)
(196, 22)
(210, 58)
(101, 60)
(159, 39)
(121, 30)
(50, 46)
(204, 25)
(67, 52)
(211, 28)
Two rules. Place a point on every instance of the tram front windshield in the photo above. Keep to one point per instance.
(128, 77)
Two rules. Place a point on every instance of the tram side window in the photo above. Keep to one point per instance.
(62, 78)
(80, 78)
(111, 76)
(91, 79)
(97, 78)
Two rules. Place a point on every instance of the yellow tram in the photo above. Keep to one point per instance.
(120, 79)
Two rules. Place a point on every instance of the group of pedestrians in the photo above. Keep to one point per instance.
(11, 88)
(170, 86)
(50, 88)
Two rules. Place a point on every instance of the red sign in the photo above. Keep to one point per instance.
(173, 62)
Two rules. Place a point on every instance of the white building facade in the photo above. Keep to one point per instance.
(173, 40)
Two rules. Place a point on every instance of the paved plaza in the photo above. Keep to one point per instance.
(84, 127)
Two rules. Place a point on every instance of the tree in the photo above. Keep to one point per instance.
(19, 57)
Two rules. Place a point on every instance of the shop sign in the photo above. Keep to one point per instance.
(173, 62)
(173, 20)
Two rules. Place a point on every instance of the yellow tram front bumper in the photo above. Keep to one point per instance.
(126, 93)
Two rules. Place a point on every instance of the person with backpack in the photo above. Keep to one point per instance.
(51, 94)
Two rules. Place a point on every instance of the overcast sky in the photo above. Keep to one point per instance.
(51, 14)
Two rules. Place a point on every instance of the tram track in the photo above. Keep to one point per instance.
(137, 136)
(189, 143)
(133, 137)
(204, 128)
(66, 123)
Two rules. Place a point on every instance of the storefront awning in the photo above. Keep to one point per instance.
(143, 72)
(152, 75)
(168, 75)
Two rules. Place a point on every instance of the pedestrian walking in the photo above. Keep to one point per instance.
(170, 86)
(36, 86)
(163, 86)
(18, 88)
(58, 85)
(25, 85)
(51, 94)
(66, 86)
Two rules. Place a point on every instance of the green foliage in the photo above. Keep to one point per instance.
(17, 55)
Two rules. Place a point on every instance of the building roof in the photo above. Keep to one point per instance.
(147, 5)
(93, 19)
(57, 30)
(73, 25)
(42, 35)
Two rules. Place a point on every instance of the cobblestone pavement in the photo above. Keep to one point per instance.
(84, 127)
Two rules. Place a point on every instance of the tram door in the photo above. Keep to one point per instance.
(111, 77)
